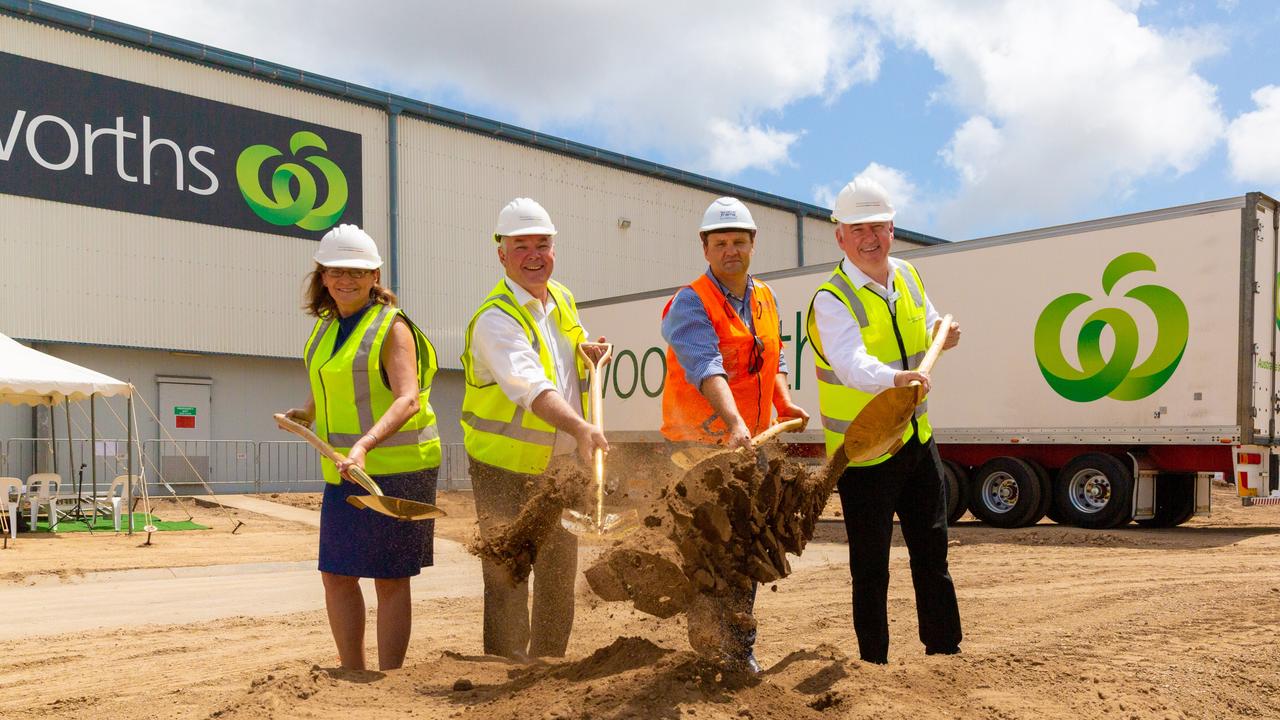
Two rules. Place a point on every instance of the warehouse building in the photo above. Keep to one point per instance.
(160, 201)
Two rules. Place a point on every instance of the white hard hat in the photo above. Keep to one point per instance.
(523, 216)
(862, 201)
(727, 213)
(347, 246)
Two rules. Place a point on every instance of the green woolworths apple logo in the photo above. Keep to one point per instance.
(283, 207)
(1114, 377)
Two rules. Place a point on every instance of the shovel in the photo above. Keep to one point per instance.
(398, 508)
(693, 456)
(879, 425)
(613, 524)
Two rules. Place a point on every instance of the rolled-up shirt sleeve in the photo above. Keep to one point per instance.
(504, 355)
(845, 350)
(689, 332)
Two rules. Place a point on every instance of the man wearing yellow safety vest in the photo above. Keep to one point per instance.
(523, 411)
(726, 374)
(869, 325)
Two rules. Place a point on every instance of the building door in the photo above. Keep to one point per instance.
(186, 420)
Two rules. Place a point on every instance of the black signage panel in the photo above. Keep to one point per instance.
(79, 137)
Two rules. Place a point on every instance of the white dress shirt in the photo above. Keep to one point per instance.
(502, 353)
(842, 338)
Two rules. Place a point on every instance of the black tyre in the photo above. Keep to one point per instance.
(1046, 490)
(1175, 500)
(1005, 492)
(956, 482)
(1095, 491)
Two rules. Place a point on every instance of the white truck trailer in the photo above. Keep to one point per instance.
(1108, 368)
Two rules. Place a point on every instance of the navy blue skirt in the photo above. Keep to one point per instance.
(363, 543)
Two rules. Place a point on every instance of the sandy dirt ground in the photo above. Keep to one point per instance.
(1059, 623)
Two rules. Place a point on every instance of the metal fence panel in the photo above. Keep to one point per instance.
(288, 466)
(186, 467)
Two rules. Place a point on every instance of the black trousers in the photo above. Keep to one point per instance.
(510, 629)
(909, 484)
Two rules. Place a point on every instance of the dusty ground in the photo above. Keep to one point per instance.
(1059, 623)
(35, 556)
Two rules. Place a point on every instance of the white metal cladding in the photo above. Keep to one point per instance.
(100, 276)
(820, 242)
(453, 183)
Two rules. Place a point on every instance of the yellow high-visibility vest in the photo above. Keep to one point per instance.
(497, 431)
(351, 394)
(898, 339)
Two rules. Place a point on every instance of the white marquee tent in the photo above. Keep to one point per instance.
(30, 377)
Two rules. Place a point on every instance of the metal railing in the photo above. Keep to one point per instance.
(177, 467)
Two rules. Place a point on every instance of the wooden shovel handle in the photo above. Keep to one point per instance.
(358, 475)
(595, 365)
(777, 429)
(931, 357)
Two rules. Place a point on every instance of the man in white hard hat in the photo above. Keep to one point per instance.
(869, 325)
(726, 375)
(523, 412)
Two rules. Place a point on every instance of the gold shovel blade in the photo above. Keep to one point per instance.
(613, 525)
(879, 425)
(395, 507)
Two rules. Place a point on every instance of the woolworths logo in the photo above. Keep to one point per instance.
(294, 190)
(1115, 377)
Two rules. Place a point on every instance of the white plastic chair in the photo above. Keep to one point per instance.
(10, 497)
(117, 501)
(42, 491)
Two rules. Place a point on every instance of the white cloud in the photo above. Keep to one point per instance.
(700, 81)
(903, 193)
(735, 148)
(1067, 103)
(1252, 139)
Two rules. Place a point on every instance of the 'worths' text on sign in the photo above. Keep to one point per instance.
(87, 139)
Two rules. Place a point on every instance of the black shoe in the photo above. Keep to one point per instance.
(953, 650)
(753, 667)
(876, 661)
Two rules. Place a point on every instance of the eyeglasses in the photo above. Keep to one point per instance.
(353, 273)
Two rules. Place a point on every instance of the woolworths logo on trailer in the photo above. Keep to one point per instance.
(1115, 377)
(293, 187)
(107, 143)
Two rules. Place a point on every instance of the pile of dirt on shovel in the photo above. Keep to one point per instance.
(729, 523)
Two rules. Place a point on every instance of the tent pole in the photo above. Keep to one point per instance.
(71, 459)
(129, 441)
(53, 435)
(93, 443)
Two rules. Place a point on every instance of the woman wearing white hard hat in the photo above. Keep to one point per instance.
(370, 369)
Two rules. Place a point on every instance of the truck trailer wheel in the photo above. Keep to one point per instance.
(1095, 491)
(1175, 500)
(1046, 490)
(956, 482)
(1006, 492)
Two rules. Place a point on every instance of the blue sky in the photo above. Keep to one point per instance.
(982, 116)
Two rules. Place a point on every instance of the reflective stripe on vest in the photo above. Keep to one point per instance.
(686, 413)
(840, 404)
(496, 430)
(350, 394)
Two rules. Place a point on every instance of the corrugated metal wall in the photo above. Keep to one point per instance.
(98, 276)
(453, 183)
